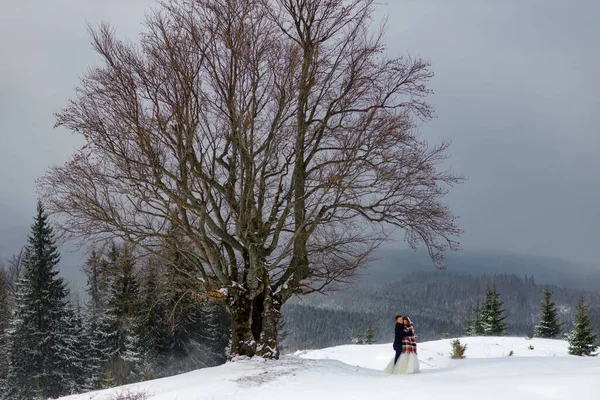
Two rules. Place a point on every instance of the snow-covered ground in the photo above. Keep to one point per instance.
(354, 372)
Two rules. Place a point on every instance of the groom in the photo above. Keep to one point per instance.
(398, 336)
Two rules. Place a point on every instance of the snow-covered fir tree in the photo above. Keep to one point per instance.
(369, 334)
(5, 311)
(149, 320)
(43, 358)
(122, 308)
(582, 340)
(548, 327)
(100, 324)
(359, 338)
(475, 321)
(75, 344)
(192, 329)
(134, 353)
(492, 313)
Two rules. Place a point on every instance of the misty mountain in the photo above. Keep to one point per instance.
(393, 264)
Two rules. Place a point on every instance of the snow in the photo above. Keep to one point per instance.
(354, 372)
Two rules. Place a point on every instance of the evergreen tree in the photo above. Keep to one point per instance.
(193, 330)
(5, 313)
(548, 326)
(492, 314)
(134, 353)
(149, 319)
(42, 354)
(100, 326)
(582, 340)
(122, 309)
(125, 287)
(469, 323)
(475, 325)
(359, 339)
(74, 343)
(369, 334)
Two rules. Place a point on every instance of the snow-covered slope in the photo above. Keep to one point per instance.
(354, 372)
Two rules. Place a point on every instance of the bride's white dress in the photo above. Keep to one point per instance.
(408, 363)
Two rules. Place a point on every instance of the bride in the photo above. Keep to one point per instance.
(408, 363)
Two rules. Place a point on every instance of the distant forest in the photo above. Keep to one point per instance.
(437, 302)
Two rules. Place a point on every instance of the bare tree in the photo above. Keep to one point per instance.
(272, 136)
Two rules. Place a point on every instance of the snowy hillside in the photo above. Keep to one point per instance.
(354, 372)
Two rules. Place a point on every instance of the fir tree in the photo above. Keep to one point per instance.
(118, 290)
(134, 353)
(41, 352)
(548, 326)
(359, 339)
(193, 331)
(369, 334)
(149, 320)
(475, 325)
(582, 340)
(5, 311)
(74, 344)
(100, 326)
(469, 322)
(492, 314)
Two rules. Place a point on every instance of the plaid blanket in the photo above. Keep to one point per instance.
(409, 342)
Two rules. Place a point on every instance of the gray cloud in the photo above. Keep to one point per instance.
(516, 89)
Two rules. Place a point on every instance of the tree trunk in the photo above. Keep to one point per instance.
(254, 325)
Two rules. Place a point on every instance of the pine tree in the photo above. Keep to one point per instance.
(100, 325)
(41, 352)
(134, 353)
(5, 312)
(74, 344)
(122, 308)
(582, 340)
(548, 326)
(193, 330)
(475, 325)
(492, 314)
(359, 339)
(369, 334)
(149, 320)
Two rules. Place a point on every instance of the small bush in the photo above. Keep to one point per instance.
(458, 350)
(511, 353)
(129, 395)
(530, 336)
(531, 347)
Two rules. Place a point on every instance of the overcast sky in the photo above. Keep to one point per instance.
(517, 90)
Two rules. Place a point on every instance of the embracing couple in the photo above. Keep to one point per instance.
(406, 360)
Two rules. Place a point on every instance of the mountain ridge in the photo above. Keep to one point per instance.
(392, 264)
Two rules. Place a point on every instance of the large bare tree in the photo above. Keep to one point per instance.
(274, 137)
